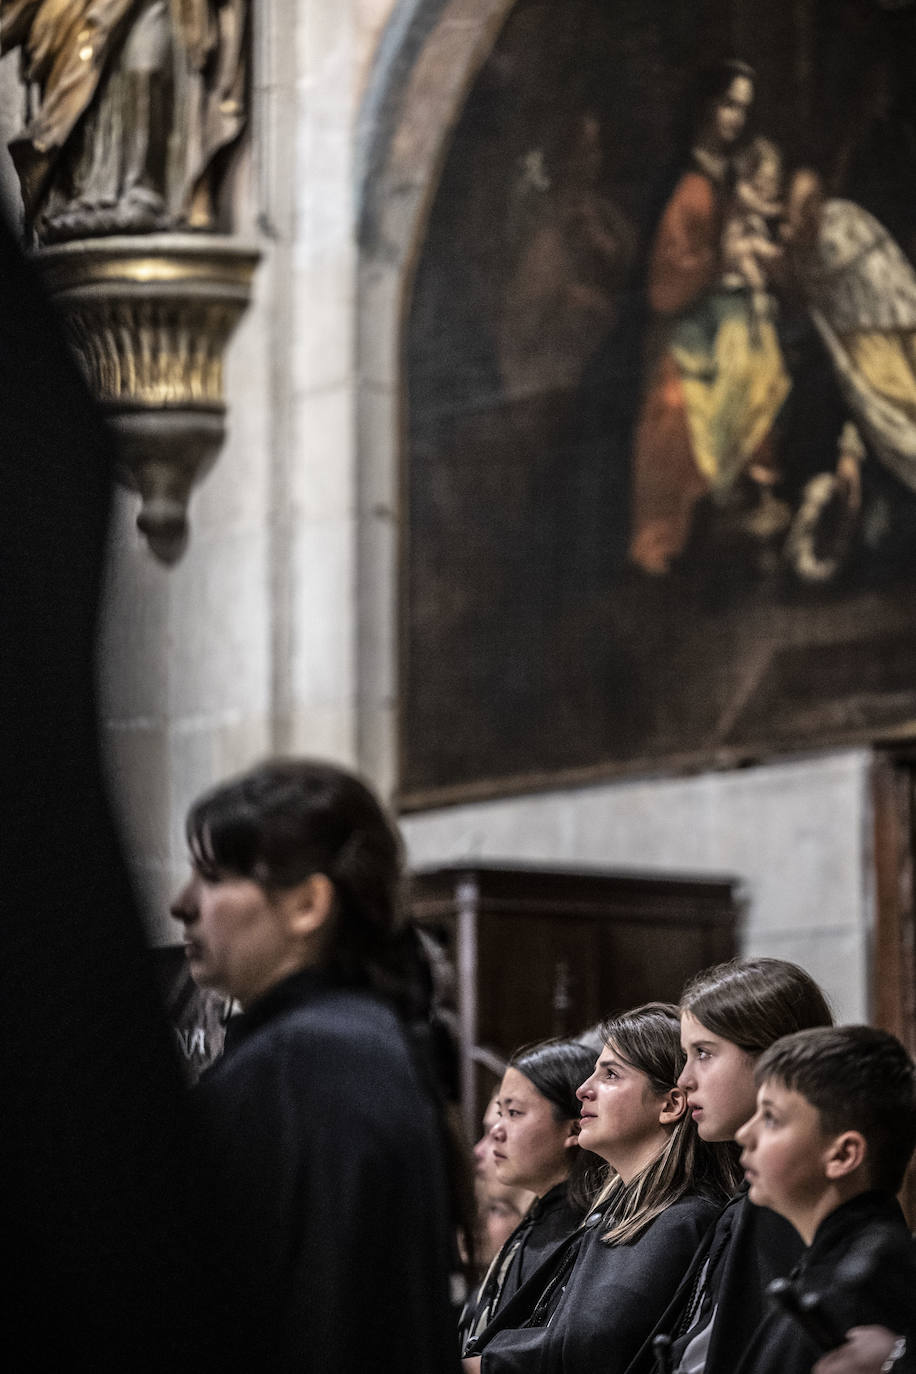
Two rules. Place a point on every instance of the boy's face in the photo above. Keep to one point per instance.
(784, 1154)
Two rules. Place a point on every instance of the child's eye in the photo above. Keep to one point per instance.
(702, 1054)
(513, 1111)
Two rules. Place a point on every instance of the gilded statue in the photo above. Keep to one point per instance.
(131, 107)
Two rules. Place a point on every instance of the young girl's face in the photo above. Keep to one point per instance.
(620, 1117)
(718, 1079)
(529, 1143)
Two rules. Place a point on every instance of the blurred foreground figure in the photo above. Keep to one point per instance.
(102, 1218)
(328, 1137)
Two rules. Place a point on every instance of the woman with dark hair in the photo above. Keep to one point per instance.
(715, 376)
(326, 1140)
(500, 1207)
(593, 1303)
(535, 1146)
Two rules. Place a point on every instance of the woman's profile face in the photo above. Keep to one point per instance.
(730, 112)
(237, 939)
(529, 1143)
(620, 1112)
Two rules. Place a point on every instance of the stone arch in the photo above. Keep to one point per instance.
(427, 59)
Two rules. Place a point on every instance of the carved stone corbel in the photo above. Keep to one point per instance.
(150, 317)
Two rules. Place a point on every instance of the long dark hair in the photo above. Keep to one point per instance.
(752, 1002)
(555, 1069)
(649, 1039)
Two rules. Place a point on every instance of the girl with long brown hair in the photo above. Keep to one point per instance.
(730, 1014)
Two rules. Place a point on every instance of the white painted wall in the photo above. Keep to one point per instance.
(796, 834)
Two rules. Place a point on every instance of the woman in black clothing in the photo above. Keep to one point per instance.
(326, 1143)
(535, 1146)
(500, 1207)
(591, 1306)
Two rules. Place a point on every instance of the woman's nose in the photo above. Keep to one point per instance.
(685, 1078)
(498, 1130)
(584, 1090)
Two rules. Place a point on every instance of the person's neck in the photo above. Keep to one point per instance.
(257, 988)
(807, 1220)
(629, 1163)
(541, 1187)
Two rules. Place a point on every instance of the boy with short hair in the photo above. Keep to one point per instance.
(827, 1149)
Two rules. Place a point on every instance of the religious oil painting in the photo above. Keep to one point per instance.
(660, 451)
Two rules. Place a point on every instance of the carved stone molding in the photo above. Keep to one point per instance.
(150, 318)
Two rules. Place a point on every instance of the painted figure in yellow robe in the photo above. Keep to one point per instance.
(716, 379)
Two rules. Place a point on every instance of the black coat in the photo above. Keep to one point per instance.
(99, 1189)
(747, 1247)
(549, 1221)
(862, 1264)
(599, 1314)
(329, 1151)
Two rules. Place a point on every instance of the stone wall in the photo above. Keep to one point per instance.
(278, 629)
(248, 645)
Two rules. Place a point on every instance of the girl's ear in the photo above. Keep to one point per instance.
(573, 1136)
(674, 1105)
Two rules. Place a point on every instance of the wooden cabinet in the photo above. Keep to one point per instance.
(541, 952)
